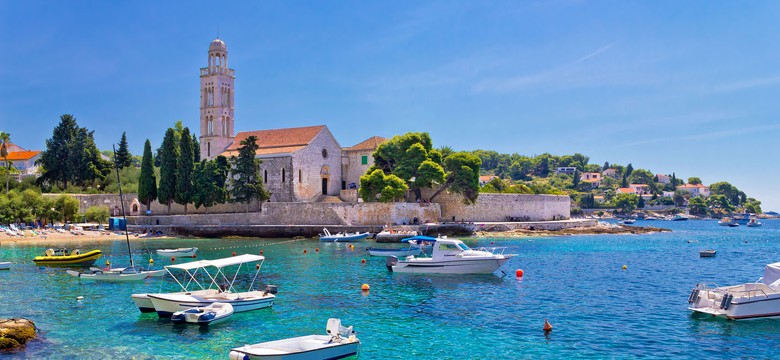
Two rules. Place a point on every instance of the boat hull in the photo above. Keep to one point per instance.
(144, 303)
(5, 265)
(85, 259)
(463, 266)
(311, 347)
(109, 276)
(755, 305)
(180, 252)
(167, 304)
(203, 316)
(344, 238)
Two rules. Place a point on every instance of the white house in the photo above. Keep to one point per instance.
(695, 190)
(664, 179)
(565, 170)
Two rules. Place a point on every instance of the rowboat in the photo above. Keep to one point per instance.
(206, 315)
(62, 257)
(180, 252)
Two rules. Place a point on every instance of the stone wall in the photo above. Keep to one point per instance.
(315, 167)
(111, 201)
(498, 207)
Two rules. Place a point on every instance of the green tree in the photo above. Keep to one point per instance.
(246, 185)
(67, 207)
(729, 191)
(55, 158)
(98, 214)
(575, 179)
(5, 140)
(71, 156)
(169, 153)
(626, 202)
(147, 182)
(412, 158)
(462, 176)
(679, 197)
(629, 170)
(697, 206)
(184, 168)
(753, 206)
(641, 176)
(123, 156)
(376, 186)
(195, 149)
(624, 182)
(694, 181)
(209, 182)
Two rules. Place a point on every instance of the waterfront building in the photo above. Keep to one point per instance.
(695, 190)
(357, 159)
(22, 160)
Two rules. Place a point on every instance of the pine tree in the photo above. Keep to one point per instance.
(195, 149)
(123, 156)
(55, 158)
(575, 179)
(245, 184)
(168, 155)
(147, 183)
(184, 167)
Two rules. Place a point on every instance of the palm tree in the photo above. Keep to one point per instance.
(5, 140)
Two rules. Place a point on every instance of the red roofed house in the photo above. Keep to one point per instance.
(640, 189)
(695, 190)
(357, 159)
(484, 179)
(22, 160)
(626, 191)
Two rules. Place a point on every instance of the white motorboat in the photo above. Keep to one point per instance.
(340, 342)
(727, 221)
(5, 265)
(144, 303)
(753, 222)
(165, 304)
(211, 314)
(628, 221)
(452, 256)
(179, 252)
(390, 235)
(342, 237)
(760, 299)
(679, 218)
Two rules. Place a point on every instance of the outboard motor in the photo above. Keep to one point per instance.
(391, 261)
(270, 289)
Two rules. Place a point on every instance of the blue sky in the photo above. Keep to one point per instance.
(686, 87)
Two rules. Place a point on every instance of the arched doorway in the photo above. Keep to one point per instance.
(325, 175)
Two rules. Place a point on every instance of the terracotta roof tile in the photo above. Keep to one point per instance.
(21, 155)
(267, 151)
(300, 136)
(369, 144)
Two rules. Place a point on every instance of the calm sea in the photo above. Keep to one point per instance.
(597, 309)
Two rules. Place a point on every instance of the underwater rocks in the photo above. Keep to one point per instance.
(15, 332)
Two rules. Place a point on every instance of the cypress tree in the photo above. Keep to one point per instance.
(168, 155)
(123, 156)
(55, 158)
(184, 167)
(245, 184)
(195, 149)
(147, 183)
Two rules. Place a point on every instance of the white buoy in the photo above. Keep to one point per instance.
(79, 298)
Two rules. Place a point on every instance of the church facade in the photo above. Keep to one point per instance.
(303, 164)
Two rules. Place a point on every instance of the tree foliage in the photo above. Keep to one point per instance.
(245, 184)
(184, 167)
(626, 202)
(98, 214)
(5, 140)
(412, 158)
(697, 206)
(123, 156)
(376, 186)
(210, 182)
(694, 180)
(169, 153)
(71, 156)
(147, 182)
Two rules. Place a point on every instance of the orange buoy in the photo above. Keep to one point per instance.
(365, 287)
(304, 251)
(173, 259)
(151, 261)
(363, 261)
(519, 273)
(316, 249)
(257, 266)
(234, 253)
(547, 326)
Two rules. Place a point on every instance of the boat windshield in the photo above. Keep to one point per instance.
(463, 247)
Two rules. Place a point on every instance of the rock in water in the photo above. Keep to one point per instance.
(14, 333)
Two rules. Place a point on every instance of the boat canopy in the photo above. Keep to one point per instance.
(219, 263)
(419, 238)
(772, 274)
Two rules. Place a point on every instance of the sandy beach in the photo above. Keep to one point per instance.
(53, 237)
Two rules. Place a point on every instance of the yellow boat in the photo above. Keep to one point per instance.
(61, 257)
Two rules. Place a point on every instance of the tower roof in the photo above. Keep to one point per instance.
(217, 45)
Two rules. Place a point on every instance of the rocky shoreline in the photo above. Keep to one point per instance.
(15, 333)
(601, 228)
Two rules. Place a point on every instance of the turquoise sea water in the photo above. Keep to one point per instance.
(597, 310)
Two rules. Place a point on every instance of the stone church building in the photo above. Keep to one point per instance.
(304, 164)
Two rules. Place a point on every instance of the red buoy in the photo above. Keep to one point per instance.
(194, 255)
(257, 266)
(317, 250)
(173, 259)
(304, 251)
(261, 252)
(547, 327)
(519, 273)
(234, 253)
(363, 261)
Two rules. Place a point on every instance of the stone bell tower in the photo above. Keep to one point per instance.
(216, 102)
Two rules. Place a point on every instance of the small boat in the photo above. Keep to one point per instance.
(707, 253)
(452, 256)
(340, 342)
(760, 299)
(203, 315)
(341, 237)
(753, 222)
(116, 274)
(180, 252)
(727, 221)
(390, 235)
(5, 265)
(166, 304)
(62, 257)
(628, 221)
(411, 250)
(679, 218)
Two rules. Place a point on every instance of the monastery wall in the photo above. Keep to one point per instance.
(500, 207)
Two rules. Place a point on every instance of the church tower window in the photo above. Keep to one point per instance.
(300, 176)
(282, 174)
(265, 176)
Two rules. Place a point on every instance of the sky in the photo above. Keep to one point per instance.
(689, 87)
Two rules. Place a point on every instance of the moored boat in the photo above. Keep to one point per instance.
(61, 256)
(340, 342)
(211, 314)
(707, 253)
(179, 252)
(390, 235)
(760, 299)
(5, 265)
(412, 250)
(452, 256)
(727, 221)
(341, 237)
(679, 217)
(753, 222)
(116, 274)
